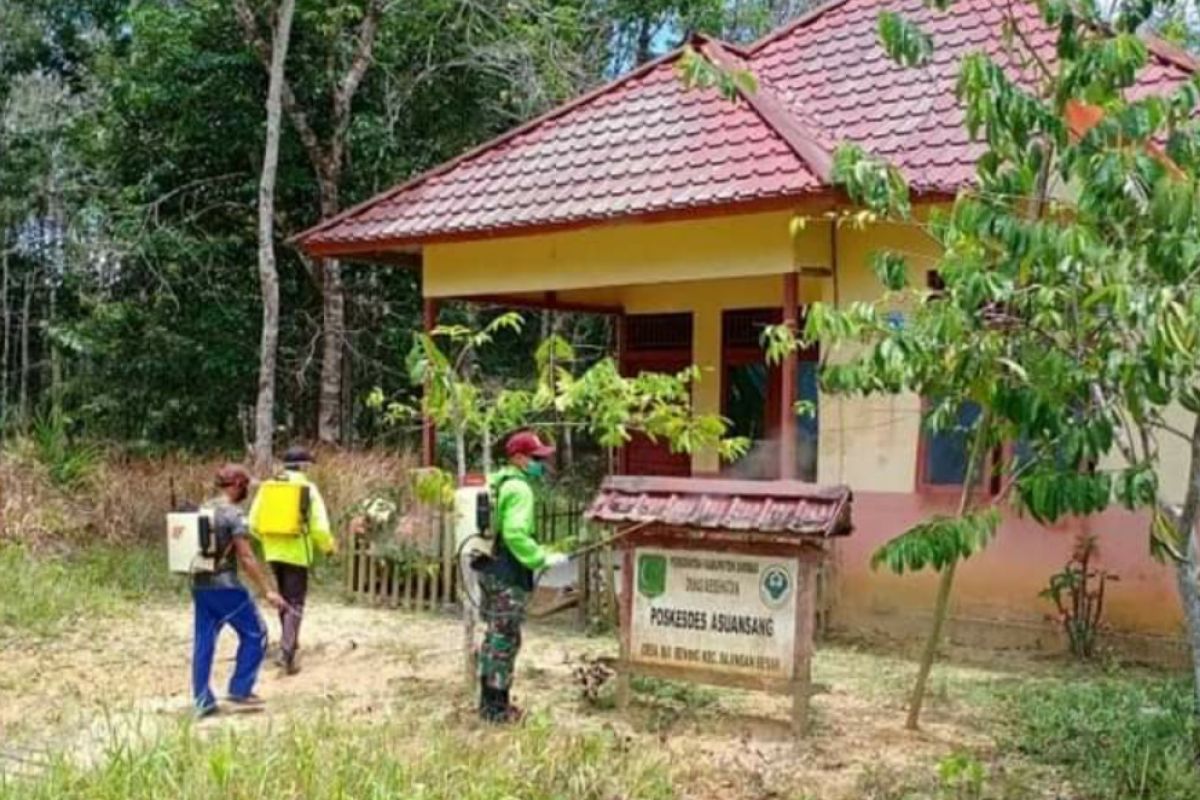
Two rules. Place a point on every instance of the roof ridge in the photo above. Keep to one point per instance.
(797, 133)
(810, 16)
(487, 145)
(1170, 52)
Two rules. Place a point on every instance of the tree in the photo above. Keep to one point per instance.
(264, 414)
(1070, 313)
(601, 402)
(327, 155)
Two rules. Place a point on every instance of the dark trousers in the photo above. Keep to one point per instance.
(292, 581)
(214, 609)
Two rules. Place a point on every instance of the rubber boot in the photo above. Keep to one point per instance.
(491, 703)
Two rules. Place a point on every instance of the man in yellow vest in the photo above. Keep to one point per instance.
(291, 556)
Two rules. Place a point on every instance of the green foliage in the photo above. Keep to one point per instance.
(1117, 738)
(698, 72)
(68, 461)
(1078, 595)
(601, 402)
(961, 777)
(938, 542)
(903, 41)
(1069, 302)
(891, 269)
(871, 182)
(322, 757)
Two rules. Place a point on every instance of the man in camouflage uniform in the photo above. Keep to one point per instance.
(506, 578)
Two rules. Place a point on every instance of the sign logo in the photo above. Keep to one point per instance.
(176, 531)
(651, 575)
(775, 586)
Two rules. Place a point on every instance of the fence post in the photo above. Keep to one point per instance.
(351, 547)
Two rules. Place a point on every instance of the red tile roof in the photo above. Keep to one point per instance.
(781, 507)
(646, 146)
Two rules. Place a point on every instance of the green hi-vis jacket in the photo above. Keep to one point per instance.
(515, 516)
(297, 550)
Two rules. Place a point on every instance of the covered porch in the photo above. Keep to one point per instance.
(687, 292)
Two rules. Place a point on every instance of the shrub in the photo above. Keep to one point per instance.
(1118, 738)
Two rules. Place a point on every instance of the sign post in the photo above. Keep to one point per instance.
(723, 604)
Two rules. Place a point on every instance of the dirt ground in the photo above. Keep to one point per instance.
(122, 680)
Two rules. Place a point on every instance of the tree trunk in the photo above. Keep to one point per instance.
(268, 276)
(57, 244)
(1187, 576)
(26, 312)
(6, 322)
(56, 368)
(327, 158)
(941, 608)
(1189, 597)
(644, 42)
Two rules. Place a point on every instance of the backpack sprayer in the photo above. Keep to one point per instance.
(475, 534)
(191, 542)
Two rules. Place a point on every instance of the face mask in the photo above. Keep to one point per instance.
(535, 469)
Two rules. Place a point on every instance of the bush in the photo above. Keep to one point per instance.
(1118, 738)
(122, 500)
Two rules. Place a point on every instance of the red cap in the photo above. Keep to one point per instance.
(527, 443)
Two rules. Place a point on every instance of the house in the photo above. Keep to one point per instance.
(670, 208)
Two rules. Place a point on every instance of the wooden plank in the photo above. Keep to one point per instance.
(351, 549)
(421, 598)
(394, 585)
(581, 589)
(361, 558)
(806, 593)
(625, 626)
(805, 549)
(446, 527)
(708, 677)
(611, 609)
(372, 578)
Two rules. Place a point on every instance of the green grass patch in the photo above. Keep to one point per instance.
(328, 758)
(41, 592)
(1116, 737)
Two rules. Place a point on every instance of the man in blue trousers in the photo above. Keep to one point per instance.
(220, 599)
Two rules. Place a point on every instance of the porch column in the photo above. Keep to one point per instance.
(787, 393)
(428, 430)
(621, 462)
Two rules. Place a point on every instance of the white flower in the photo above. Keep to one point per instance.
(380, 510)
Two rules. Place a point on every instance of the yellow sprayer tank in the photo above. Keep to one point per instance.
(282, 508)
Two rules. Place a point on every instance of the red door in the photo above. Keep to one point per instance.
(655, 343)
(752, 396)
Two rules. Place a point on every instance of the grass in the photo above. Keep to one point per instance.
(41, 593)
(330, 758)
(1118, 736)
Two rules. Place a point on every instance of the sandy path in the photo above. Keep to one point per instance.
(126, 679)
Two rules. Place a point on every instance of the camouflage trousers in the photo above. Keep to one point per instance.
(503, 610)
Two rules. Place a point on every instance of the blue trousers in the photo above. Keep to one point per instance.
(216, 608)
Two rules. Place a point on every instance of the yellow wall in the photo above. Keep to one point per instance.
(613, 255)
(868, 443)
(686, 266)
